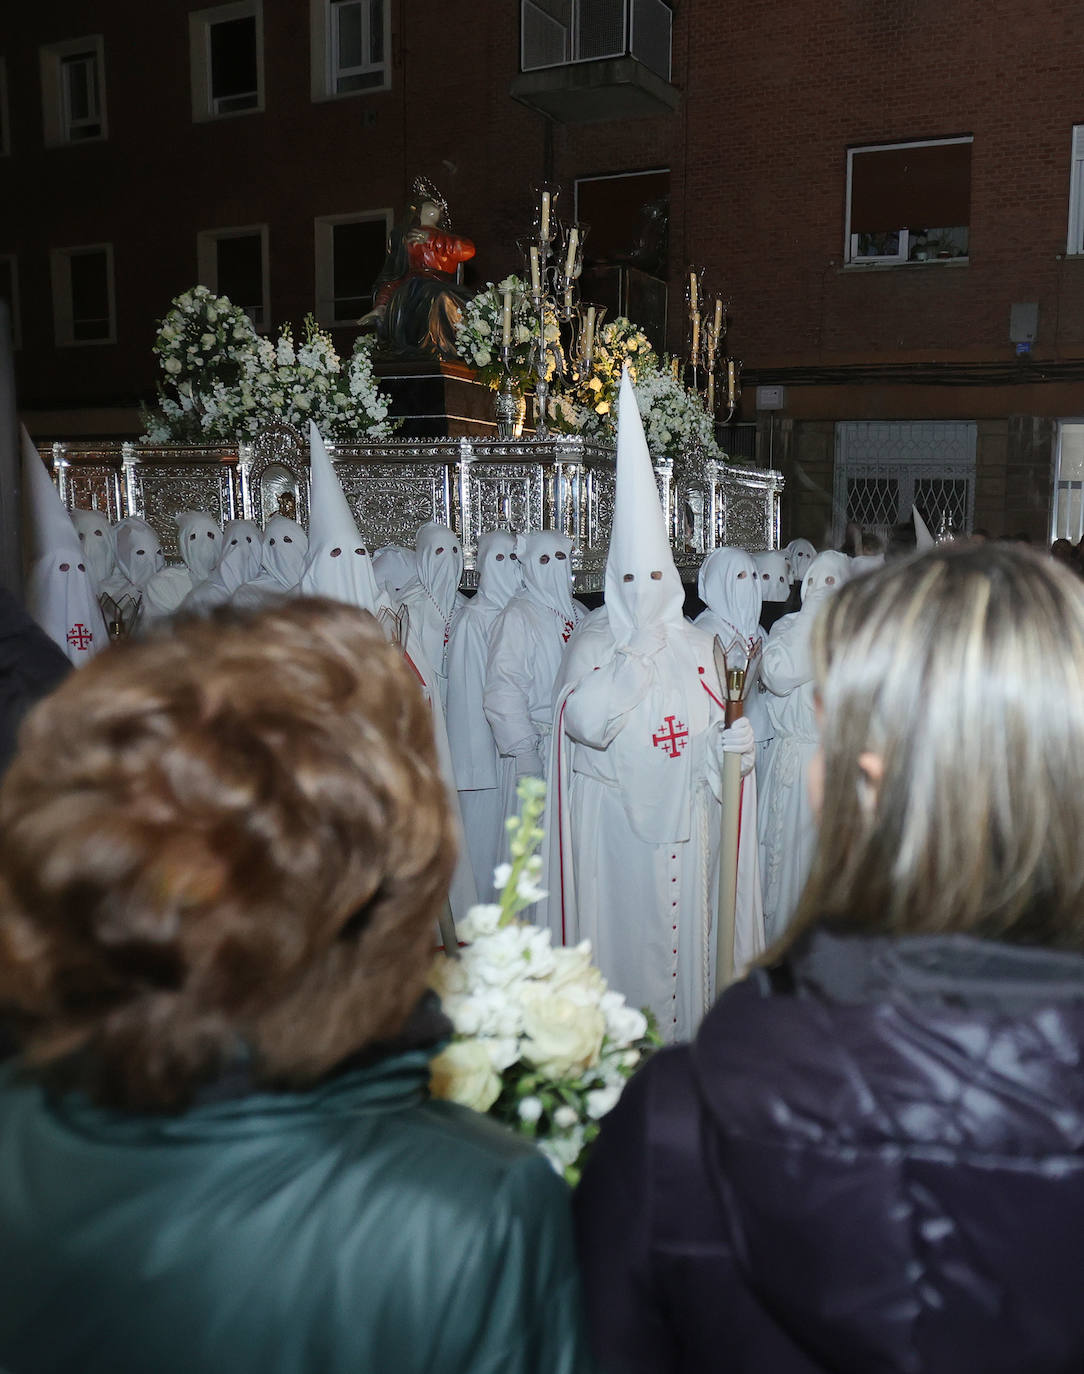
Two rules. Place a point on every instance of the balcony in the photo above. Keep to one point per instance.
(583, 61)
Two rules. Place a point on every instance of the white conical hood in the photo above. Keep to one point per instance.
(59, 592)
(440, 564)
(139, 551)
(545, 560)
(98, 541)
(338, 563)
(199, 538)
(729, 586)
(642, 584)
(825, 575)
(285, 545)
(775, 574)
(500, 576)
(800, 553)
(923, 538)
(395, 568)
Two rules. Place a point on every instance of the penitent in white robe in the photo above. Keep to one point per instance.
(642, 883)
(787, 826)
(475, 758)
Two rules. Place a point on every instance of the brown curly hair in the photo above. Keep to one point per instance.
(231, 840)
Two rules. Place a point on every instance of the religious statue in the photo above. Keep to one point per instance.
(417, 302)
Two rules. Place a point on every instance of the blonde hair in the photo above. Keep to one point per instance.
(963, 670)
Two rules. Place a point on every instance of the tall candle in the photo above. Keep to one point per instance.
(506, 323)
(731, 382)
(573, 244)
(718, 317)
(536, 286)
(589, 332)
(568, 298)
(711, 393)
(675, 365)
(696, 336)
(694, 302)
(545, 225)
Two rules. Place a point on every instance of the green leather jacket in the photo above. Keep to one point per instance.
(358, 1226)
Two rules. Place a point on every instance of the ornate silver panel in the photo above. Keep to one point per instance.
(393, 487)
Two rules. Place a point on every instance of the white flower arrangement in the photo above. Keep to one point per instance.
(481, 329)
(541, 1043)
(225, 382)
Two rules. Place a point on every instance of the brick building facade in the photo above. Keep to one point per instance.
(882, 342)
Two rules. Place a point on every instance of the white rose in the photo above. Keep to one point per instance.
(480, 920)
(562, 1036)
(503, 1051)
(464, 1073)
(530, 1108)
(624, 1024)
(565, 1117)
(601, 1100)
(206, 341)
(173, 365)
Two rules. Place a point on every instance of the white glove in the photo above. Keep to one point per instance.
(529, 765)
(738, 739)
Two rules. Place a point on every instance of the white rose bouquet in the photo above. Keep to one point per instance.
(224, 382)
(480, 331)
(541, 1042)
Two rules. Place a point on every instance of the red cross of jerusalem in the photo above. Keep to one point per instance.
(672, 738)
(79, 636)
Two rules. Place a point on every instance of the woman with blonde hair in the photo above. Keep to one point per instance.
(872, 1155)
(222, 855)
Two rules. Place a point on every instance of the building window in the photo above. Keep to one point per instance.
(233, 263)
(1076, 193)
(627, 246)
(349, 47)
(5, 121)
(1068, 514)
(908, 202)
(350, 251)
(226, 45)
(84, 306)
(9, 293)
(73, 91)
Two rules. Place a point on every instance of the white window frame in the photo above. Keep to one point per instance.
(200, 23)
(1064, 491)
(5, 111)
(63, 309)
(16, 314)
(1075, 240)
(901, 256)
(55, 115)
(207, 241)
(322, 53)
(324, 243)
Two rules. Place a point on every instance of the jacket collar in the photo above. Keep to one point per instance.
(960, 971)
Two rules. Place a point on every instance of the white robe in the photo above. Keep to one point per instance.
(525, 652)
(787, 826)
(474, 750)
(648, 905)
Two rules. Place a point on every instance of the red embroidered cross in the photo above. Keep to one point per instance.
(672, 738)
(570, 625)
(80, 636)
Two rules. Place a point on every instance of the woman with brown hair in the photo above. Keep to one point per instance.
(222, 854)
(872, 1155)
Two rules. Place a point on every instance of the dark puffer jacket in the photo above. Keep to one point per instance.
(870, 1160)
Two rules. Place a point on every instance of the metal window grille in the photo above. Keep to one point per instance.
(557, 32)
(884, 468)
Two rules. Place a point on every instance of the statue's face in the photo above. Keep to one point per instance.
(429, 214)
